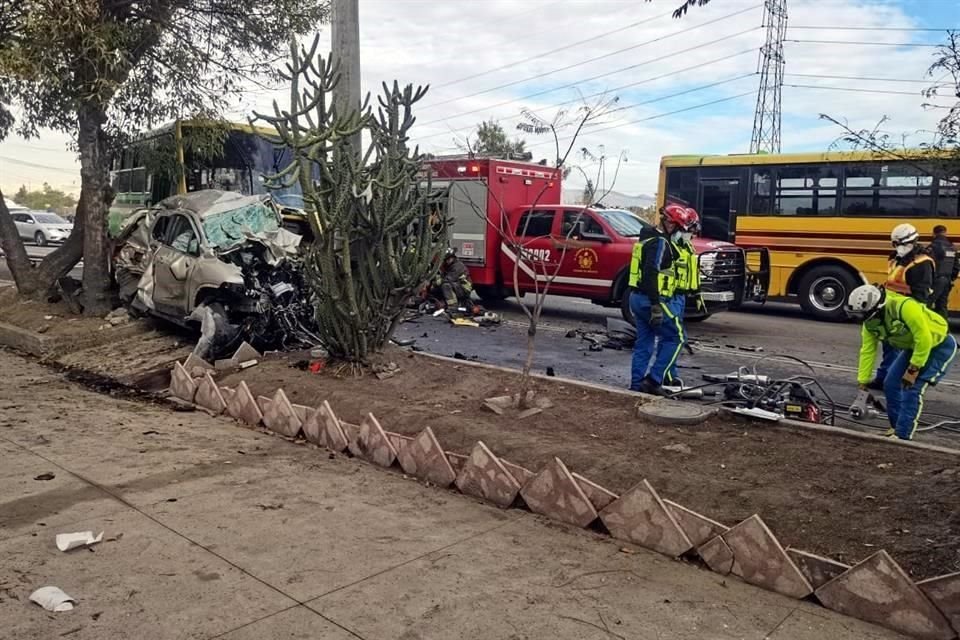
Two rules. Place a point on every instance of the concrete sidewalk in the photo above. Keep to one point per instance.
(215, 531)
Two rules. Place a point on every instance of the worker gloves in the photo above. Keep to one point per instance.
(859, 407)
(910, 376)
(656, 315)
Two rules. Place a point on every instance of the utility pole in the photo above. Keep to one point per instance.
(346, 52)
(766, 119)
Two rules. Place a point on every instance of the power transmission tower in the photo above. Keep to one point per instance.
(766, 118)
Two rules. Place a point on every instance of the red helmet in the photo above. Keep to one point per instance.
(684, 217)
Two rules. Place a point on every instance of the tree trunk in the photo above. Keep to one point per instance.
(527, 364)
(94, 182)
(16, 254)
(58, 263)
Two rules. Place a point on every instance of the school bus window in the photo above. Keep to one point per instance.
(858, 189)
(948, 200)
(760, 203)
(682, 185)
(806, 191)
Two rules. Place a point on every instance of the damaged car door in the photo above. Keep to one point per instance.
(174, 261)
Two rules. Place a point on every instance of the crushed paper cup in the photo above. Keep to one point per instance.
(68, 541)
(52, 599)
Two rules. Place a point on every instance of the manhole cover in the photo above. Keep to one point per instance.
(671, 412)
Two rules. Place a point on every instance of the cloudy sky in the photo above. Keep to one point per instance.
(682, 86)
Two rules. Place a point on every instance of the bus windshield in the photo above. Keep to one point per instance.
(625, 223)
(246, 158)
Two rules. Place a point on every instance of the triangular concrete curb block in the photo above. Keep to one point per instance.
(208, 395)
(280, 416)
(372, 444)
(243, 406)
(877, 590)
(639, 516)
(227, 394)
(599, 496)
(246, 352)
(759, 559)
(699, 528)
(484, 476)
(944, 592)
(554, 493)
(521, 474)
(424, 458)
(182, 385)
(816, 569)
(399, 441)
(195, 365)
(717, 556)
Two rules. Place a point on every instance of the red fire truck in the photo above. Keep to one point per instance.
(588, 248)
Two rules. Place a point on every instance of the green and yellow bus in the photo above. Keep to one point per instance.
(187, 155)
(825, 217)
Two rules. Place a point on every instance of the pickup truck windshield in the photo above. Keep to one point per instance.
(625, 223)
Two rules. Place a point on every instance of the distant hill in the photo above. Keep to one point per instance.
(612, 199)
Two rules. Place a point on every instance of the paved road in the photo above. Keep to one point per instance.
(776, 328)
(216, 531)
(35, 253)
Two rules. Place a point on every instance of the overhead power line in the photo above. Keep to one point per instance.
(596, 77)
(594, 59)
(24, 163)
(872, 44)
(653, 117)
(552, 51)
(835, 28)
(612, 90)
(854, 89)
(863, 78)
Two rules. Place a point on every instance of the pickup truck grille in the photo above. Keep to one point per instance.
(725, 264)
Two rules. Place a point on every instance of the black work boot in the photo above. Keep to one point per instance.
(649, 385)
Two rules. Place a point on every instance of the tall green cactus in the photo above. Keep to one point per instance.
(374, 244)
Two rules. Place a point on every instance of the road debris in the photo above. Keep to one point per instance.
(45, 476)
(69, 541)
(53, 599)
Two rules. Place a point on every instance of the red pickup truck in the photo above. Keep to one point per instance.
(588, 248)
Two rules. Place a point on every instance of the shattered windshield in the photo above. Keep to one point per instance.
(625, 223)
(228, 228)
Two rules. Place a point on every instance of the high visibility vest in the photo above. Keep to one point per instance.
(666, 277)
(897, 274)
(687, 268)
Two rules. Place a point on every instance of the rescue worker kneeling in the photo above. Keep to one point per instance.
(452, 283)
(663, 270)
(926, 351)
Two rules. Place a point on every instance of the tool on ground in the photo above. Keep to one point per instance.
(859, 407)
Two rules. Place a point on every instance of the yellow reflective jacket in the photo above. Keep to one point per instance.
(904, 324)
(687, 268)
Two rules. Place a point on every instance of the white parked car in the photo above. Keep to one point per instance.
(42, 227)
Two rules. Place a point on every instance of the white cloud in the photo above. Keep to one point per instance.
(441, 42)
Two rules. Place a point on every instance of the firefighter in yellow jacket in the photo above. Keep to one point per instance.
(925, 352)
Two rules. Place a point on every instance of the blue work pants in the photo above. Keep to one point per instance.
(904, 406)
(662, 344)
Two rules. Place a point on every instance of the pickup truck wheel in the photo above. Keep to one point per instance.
(824, 290)
(625, 310)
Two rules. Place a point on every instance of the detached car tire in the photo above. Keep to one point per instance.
(824, 290)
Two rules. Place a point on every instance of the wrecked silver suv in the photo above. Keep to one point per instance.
(220, 259)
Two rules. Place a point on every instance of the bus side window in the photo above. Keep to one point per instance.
(760, 200)
(682, 185)
(948, 197)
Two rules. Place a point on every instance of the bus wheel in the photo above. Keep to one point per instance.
(823, 291)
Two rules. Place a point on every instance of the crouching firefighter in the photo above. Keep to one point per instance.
(453, 283)
(925, 346)
(662, 269)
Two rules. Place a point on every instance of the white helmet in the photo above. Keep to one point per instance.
(865, 301)
(904, 234)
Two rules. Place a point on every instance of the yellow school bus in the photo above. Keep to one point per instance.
(825, 217)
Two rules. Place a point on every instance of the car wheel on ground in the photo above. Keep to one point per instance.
(40, 239)
(824, 290)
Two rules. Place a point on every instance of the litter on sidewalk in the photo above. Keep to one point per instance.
(69, 541)
(53, 599)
